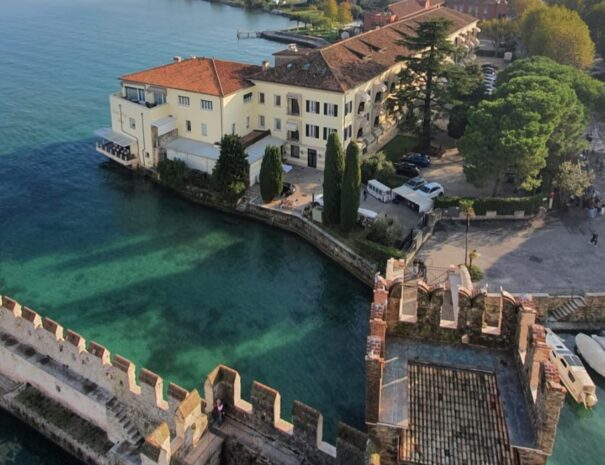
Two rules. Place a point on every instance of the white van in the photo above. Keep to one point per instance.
(379, 190)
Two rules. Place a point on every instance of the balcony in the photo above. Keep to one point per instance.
(117, 153)
(142, 103)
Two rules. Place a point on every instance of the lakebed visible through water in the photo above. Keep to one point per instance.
(172, 286)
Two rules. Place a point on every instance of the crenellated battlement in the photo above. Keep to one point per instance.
(455, 317)
(104, 389)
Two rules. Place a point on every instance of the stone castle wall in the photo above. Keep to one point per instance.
(105, 392)
(420, 317)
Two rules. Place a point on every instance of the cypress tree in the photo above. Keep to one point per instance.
(351, 188)
(333, 180)
(271, 176)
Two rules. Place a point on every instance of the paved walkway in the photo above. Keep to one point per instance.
(551, 255)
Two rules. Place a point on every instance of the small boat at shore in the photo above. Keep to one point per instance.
(592, 349)
(571, 370)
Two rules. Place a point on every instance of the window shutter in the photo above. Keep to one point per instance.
(308, 105)
(325, 108)
(307, 130)
(325, 133)
(335, 110)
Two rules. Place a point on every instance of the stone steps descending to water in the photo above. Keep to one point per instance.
(569, 307)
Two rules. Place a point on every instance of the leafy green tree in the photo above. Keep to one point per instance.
(464, 87)
(500, 30)
(271, 176)
(421, 78)
(595, 18)
(572, 179)
(351, 188)
(591, 92)
(504, 134)
(521, 6)
(332, 185)
(230, 176)
(558, 33)
(330, 10)
(173, 173)
(376, 165)
(344, 13)
(458, 121)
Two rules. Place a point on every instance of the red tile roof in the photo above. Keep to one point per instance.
(351, 62)
(202, 75)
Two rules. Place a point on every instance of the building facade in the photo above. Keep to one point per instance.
(181, 110)
(481, 9)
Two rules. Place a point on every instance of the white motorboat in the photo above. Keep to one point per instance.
(571, 370)
(593, 351)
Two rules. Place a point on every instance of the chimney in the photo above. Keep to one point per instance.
(265, 65)
(427, 4)
(177, 59)
(292, 48)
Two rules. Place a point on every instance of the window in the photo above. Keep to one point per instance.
(232, 128)
(312, 131)
(159, 97)
(248, 97)
(277, 124)
(247, 122)
(261, 121)
(206, 104)
(293, 107)
(183, 101)
(362, 107)
(295, 151)
(330, 109)
(571, 377)
(135, 94)
(261, 97)
(349, 107)
(204, 129)
(348, 132)
(132, 123)
(278, 100)
(327, 132)
(188, 125)
(313, 106)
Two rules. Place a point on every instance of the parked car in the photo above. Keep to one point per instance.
(418, 159)
(288, 189)
(431, 190)
(407, 169)
(415, 183)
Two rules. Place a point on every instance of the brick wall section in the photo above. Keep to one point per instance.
(551, 396)
(374, 372)
(385, 440)
(308, 424)
(351, 445)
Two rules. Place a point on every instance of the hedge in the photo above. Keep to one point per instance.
(378, 252)
(502, 205)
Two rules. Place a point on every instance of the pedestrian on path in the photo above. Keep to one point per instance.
(365, 194)
(594, 239)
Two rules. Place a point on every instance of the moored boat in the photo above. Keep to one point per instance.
(571, 370)
(593, 352)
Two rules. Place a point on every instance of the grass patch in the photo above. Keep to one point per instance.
(399, 146)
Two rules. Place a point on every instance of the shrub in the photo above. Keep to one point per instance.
(502, 205)
(377, 252)
(173, 173)
(232, 168)
(476, 273)
(385, 231)
(376, 166)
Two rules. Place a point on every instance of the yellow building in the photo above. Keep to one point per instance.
(181, 110)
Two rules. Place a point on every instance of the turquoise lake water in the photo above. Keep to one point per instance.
(176, 288)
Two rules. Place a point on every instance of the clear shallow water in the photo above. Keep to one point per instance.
(174, 287)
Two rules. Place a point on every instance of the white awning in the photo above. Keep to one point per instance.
(194, 147)
(364, 97)
(256, 151)
(115, 137)
(165, 125)
(382, 87)
(292, 127)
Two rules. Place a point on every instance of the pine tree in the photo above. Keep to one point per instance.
(351, 188)
(332, 184)
(424, 69)
(271, 176)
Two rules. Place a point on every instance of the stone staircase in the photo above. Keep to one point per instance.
(566, 309)
(119, 411)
